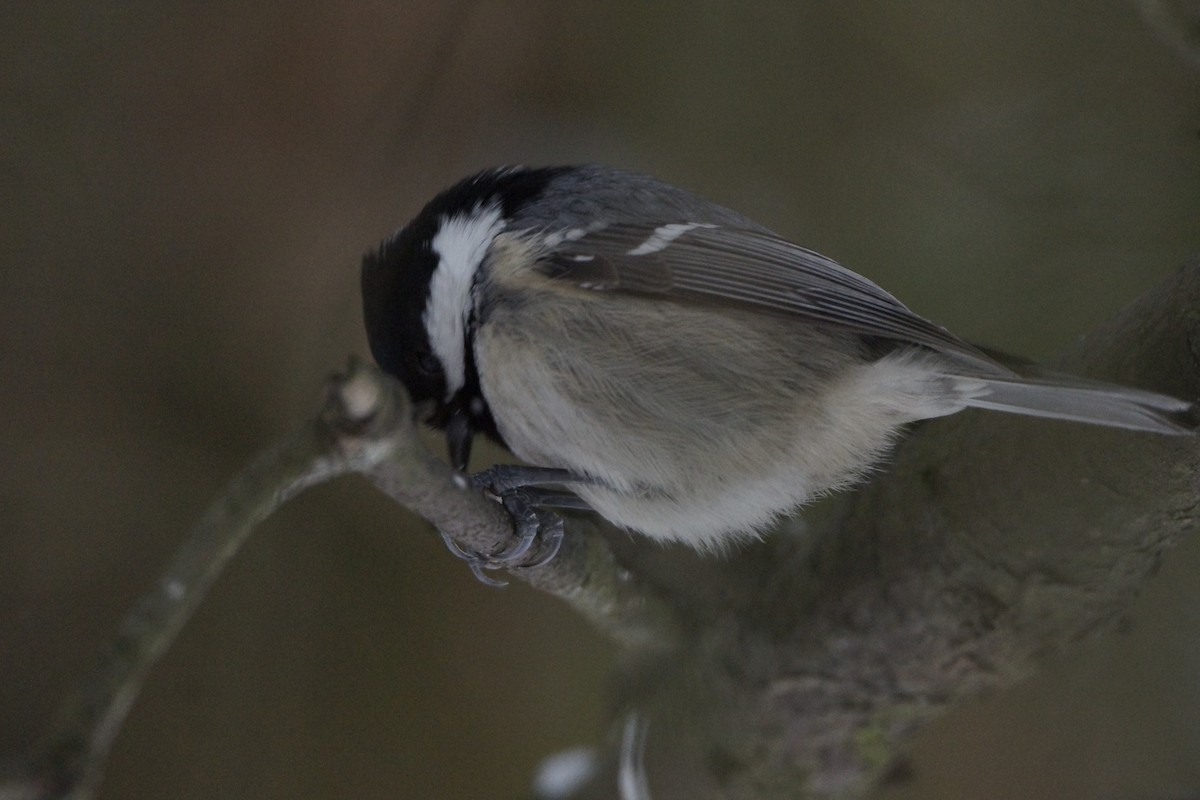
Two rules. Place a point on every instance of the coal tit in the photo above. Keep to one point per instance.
(700, 374)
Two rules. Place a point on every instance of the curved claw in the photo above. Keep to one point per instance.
(527, 525)
(476, 561)
(516, 488)
(548, 524)
(477, 569)
(456, 550)
(554, 544)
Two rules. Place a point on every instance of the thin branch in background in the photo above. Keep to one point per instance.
(631, 773)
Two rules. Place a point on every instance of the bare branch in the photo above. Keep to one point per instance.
(990, 544)
(366, 426)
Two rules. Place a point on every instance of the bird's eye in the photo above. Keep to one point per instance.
(428, 363)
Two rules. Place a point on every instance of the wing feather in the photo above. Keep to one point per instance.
(751, 269)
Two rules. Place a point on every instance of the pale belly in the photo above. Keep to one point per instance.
(702, 442)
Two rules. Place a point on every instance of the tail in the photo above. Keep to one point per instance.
(1079, 400)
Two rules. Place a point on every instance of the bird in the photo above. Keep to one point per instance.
(689, 374)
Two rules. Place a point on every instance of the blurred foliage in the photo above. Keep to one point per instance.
(186, 190)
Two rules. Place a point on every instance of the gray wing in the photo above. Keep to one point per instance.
(752, 269)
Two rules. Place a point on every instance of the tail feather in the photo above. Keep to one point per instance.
(1088, 401)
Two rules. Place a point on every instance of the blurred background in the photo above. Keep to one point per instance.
(187, 190)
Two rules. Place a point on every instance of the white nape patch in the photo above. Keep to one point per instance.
(461, 243)
(664, 236)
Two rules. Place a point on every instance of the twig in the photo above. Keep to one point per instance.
(366, 426)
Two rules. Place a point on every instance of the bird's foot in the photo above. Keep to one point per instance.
(520, 489)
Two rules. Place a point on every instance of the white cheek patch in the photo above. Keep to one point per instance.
(461, 243)
(664, 236)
